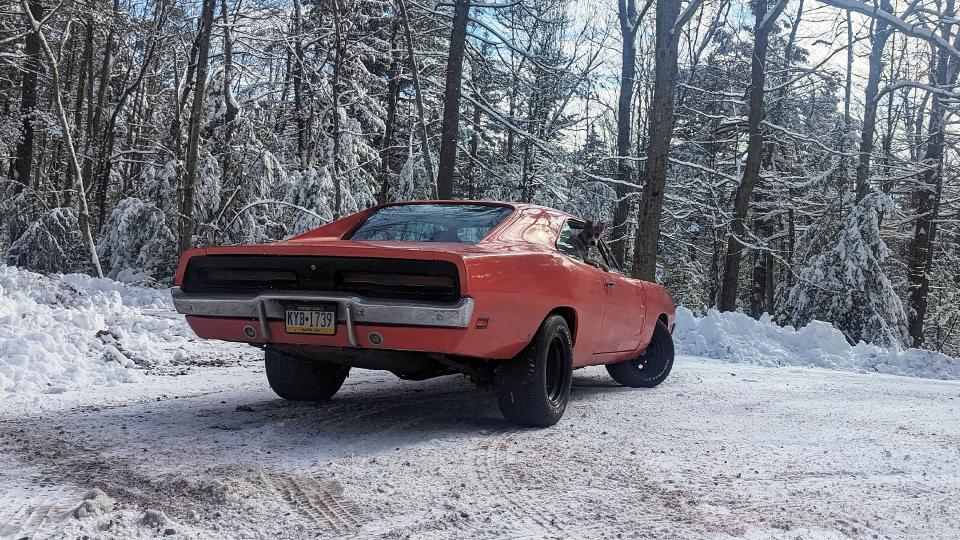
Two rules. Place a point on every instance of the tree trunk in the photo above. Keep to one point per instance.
(285, 87)
(23, 162)
(713, 283)
(183, 90)
(340, 50)
(880, 35)
(512, 113)
(474, 150)
(848, 84)
(659, 137)
(109, 137)
(94, 147)
(627, 14)
(298, 61)
(134, 134)
(526, 190)
(193, 139)
(81, 92)
(59, 177)
(927, 196)
(230, 103)
(762, 259)
(393, 93)
(421, 116)
(762, 292)
(751, 173)
(450, 132)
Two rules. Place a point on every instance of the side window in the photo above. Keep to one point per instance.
(565, 242)
(608, 257)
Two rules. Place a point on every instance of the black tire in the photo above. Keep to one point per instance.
(300, 379)
(650, 368)
(533, 389)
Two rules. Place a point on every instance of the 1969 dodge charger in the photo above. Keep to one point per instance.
(505, 293)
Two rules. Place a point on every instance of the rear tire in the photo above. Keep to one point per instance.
(650, 368)
(299, 379)
(533, 389)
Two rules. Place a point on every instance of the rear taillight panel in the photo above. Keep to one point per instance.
(374, 277)
(388, 285)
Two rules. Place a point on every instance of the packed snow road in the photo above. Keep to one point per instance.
(717, 451)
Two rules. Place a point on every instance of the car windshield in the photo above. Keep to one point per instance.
(461, 223)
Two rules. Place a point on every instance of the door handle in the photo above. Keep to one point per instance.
(609, 284)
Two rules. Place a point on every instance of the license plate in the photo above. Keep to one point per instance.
(312, 319)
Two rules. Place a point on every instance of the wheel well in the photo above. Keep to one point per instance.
(569, 315)
(666, 321)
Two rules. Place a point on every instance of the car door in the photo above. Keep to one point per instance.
(624, 307)
(589, 294)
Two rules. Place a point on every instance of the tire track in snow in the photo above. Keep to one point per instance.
(518, 484)
(25, 517)
(336, 414)
(493, 474)
(84, 466)
(320, 504)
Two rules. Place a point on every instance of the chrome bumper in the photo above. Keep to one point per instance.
(354, 309)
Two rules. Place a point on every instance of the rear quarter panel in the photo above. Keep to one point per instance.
(521, 277)
(659, 305)
(516, 292)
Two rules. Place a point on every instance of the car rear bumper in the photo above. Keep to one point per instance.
(268, 309)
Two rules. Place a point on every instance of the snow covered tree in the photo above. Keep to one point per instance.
(139, 243)
(843, 279)
(51, 243)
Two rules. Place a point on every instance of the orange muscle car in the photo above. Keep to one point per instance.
(497, 291)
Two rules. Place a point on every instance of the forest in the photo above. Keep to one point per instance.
(790, 159)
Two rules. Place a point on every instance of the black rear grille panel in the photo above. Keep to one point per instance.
(372, 277)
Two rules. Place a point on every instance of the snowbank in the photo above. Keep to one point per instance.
(64, 332)
(738, 338)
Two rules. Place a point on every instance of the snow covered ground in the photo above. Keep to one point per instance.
(142, 432)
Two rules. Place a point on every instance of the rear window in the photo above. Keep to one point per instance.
(461, 223)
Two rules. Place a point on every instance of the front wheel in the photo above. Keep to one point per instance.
(300, 379)
(533, 389)
(650, 368)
